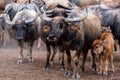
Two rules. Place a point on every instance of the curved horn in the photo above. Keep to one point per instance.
(78, 19)
(36, 8)
(49, 11)
(72, 19)
(72, 8)
(68, 11)
(42, 9)
(46, 11)
(31, 20)
(6, 17)
(37, 12)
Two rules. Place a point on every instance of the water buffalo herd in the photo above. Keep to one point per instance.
(69, 25)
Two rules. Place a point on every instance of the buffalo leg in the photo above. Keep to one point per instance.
(85, 52)
(30, 46)
(61, 58)
(76, 65)
(53, 55)
(20, 60)
(4, 39)
(93, 61)
(48, 56)
(105, 66)
(111, 63)
(100, 64)
(2, 36)
(69, 66)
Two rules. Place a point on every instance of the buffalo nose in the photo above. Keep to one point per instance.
(19, 38)
(51, 36)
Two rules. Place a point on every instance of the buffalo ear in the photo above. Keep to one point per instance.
(103, 42)
(109, 28)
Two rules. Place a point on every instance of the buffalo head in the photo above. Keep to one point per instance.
(53, 27)
(58, 26)
(21, 23)
(21, 30)
(98, 46)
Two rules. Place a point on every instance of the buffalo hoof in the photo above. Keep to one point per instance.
(111, 70)
(30, 59)
(76, 76)
(95, 70)
(45, 69)
(20, 61)
(47, 66)
(67, 74)
(62, 68)
(105, 75)
(99, 73)
(51, 63)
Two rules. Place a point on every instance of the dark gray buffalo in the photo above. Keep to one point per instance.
(109, 17)
(83, 3)
(3, 32)
(13, 8)
(58, 11)
(24, 29)
(76, 33)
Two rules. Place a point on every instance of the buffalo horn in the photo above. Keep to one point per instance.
(31, 20)
(6, 17)
(42, 9)
(78, 19)
(72, 19)
(49, 11)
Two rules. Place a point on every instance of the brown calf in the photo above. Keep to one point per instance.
(104, 48)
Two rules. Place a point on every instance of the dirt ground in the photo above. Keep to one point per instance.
(10, 70)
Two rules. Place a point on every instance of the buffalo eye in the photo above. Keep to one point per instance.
(14, 27)
(96, 47)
